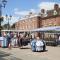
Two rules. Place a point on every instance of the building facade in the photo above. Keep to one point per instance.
(38, 21)
(50, 21)
(28, 23)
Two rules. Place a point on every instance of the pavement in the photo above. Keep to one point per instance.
(52, 53)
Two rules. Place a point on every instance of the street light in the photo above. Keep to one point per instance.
(2, 4)
(8, 18)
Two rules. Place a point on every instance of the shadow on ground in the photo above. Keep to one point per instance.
(25, 48)
(3, 54)
(7, 56)
(14, 58)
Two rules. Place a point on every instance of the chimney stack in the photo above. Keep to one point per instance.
(56, 7)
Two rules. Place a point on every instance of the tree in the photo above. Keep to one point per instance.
(5, 26)
(13, 26)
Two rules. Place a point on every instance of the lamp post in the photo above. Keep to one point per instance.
(8, 18)
(2, 4)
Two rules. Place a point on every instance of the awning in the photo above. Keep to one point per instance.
(43, 29)
(47, 29)
(15, 30)
(57, 28)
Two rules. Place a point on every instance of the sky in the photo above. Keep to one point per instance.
(19, 8)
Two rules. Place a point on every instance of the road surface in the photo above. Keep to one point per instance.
(53, 53)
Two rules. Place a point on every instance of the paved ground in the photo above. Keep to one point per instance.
(53, 53)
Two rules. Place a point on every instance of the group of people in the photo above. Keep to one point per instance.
(21, 40)
(38, 44)
(15, 39)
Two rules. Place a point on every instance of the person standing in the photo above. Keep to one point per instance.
(8, 40)
(18, 39)
(39, 44)
(33, 45)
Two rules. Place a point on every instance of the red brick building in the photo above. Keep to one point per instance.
(28, 23)
(50, 21)
(38, 21)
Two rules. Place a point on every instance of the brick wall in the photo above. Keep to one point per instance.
(27, 24)
(51, 21)
(37, 22)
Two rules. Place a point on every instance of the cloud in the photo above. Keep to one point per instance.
(16, 9)
(33, 10)
(17, 13)
(23, 12)
(42, 5)
(46, 5)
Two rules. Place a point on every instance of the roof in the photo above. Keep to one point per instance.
(46, 29)
(15, 30)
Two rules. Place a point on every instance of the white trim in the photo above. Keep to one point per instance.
(16, 30)
(52, 28)
(28, 17)
(55, 28)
